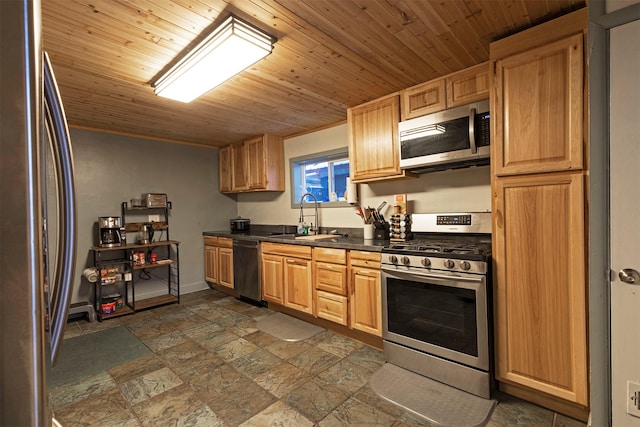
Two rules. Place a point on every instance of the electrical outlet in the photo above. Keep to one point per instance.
(633, 398)
(154, 218)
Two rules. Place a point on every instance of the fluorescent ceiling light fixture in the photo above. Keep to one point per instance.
(232, 47)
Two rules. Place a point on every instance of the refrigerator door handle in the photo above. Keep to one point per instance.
(58, 132)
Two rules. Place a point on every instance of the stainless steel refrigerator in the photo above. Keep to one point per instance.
(37, 231)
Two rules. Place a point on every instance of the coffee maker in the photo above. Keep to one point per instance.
(110, 231)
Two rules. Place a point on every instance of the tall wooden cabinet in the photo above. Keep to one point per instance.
(538, 142)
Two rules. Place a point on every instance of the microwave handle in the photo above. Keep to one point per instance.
(472, 133)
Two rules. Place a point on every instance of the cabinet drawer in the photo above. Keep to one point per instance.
(225, 242)
(331, 278)
(332, 255)
(365, 259)
(298, 251)
(211, 241)
(332, 307)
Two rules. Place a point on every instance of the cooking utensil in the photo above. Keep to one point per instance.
(239, 225)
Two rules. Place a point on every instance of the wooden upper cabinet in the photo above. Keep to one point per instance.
(224, 160)
(239, 178)
(424, 98)
(266, 163)
(537, 110)
(459, 88)
(373, 140)
(469, 85)
(256, 165)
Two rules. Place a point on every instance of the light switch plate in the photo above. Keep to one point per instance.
(154, 218)
(633, 398)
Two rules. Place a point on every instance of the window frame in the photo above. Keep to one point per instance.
(325, 156)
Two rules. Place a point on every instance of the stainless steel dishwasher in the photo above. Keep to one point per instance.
(246, 269)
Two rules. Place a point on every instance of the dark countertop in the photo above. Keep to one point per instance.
(342, 242)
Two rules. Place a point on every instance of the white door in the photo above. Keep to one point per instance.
(625, 215)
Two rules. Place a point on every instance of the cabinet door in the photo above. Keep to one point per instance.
(256, 159)
(423, 99)
(298, 291)
(211, 264)
(225, 267)
(224, 160)
(239, 167)
(373, 139)
(365, 303)
(469, 85)
(537, 110)
(540, 299)
(272, 278)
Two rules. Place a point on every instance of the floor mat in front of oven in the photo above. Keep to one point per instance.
(437, 402)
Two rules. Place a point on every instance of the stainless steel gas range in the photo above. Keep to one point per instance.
(436, 300)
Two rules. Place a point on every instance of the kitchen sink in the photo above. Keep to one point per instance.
(312, 237)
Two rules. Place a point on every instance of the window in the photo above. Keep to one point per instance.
(324, 175)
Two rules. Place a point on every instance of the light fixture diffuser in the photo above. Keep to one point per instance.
(433, 130)
(232, 47)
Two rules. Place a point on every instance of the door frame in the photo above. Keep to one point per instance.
(600, 23)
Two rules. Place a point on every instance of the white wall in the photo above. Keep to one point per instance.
(448, 191)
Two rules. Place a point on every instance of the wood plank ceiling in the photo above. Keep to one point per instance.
(330, 55)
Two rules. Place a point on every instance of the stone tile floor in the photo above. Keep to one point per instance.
(211, 367)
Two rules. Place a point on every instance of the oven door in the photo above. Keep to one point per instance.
(444, 315)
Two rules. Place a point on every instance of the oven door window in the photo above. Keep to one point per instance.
(439, 315)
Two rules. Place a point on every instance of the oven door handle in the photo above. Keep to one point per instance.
(465, 278)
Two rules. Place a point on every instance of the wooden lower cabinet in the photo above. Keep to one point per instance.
(540, 288)
(332, 307)
(298, 284)
(218, 260)
(287, 276)
(330, 279)
(211, 259)
(365, 299)
(225, 272)
(272, 278)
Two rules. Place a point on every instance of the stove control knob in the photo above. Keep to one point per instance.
(465, 265)
(448, 263)
(426, 262)
(406, 260)
(393, 259)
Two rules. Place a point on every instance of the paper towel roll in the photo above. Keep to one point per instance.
(91, 274)
(352, 191)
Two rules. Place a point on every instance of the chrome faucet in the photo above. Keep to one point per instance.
(302, 215)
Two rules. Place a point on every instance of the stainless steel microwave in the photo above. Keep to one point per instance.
(449, 139)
